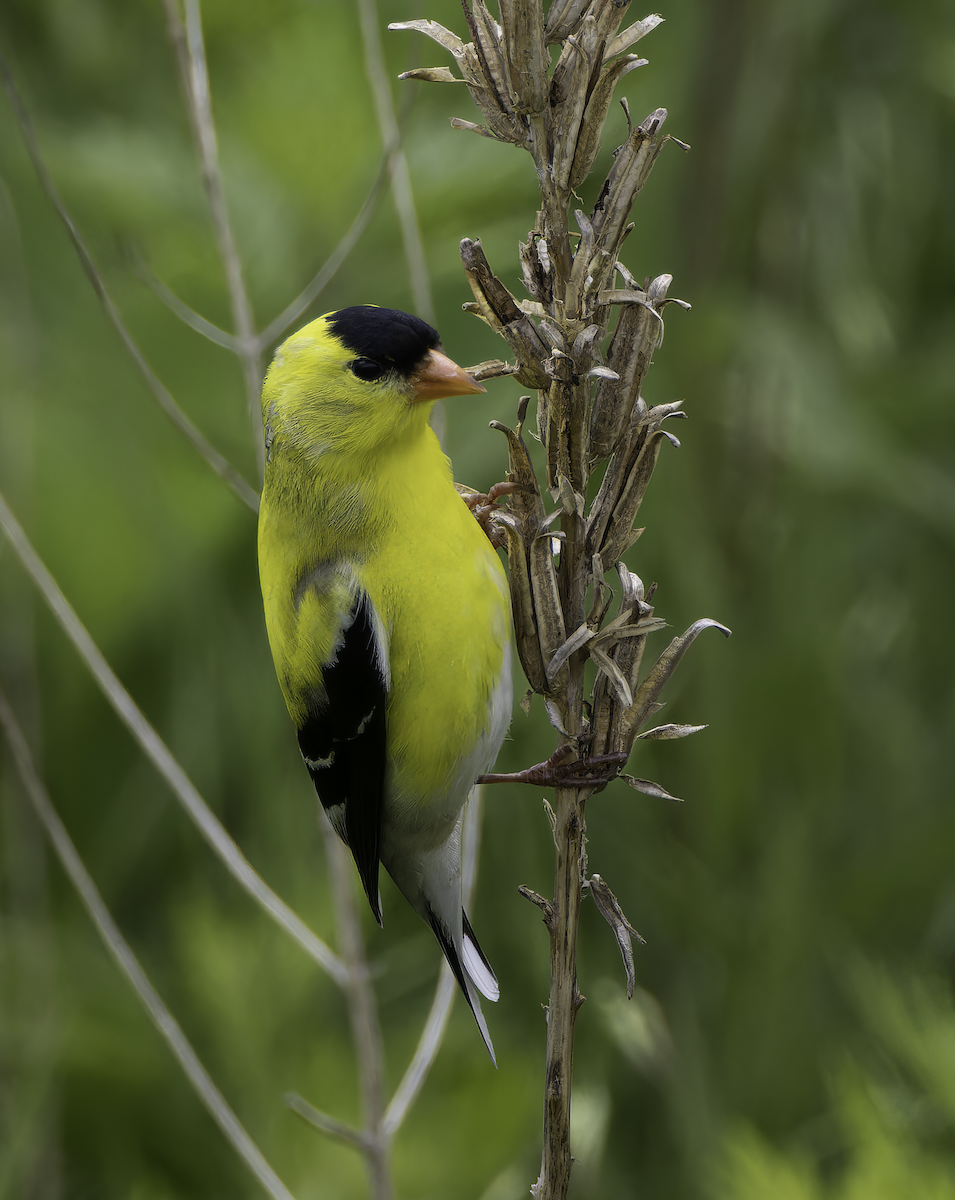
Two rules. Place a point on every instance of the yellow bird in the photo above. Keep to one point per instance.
(386, 608)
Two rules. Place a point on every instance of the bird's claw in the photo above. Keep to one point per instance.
(484, 505)
(558, 772)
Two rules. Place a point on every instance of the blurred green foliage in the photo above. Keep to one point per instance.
(811, 508)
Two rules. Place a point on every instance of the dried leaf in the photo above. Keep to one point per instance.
(633, 33)
(595, 115)
(431, 75)
(649, 788)
(665, 733)
(609, 908)
(458, 123)
(556, 714)
(615, 677)
(580, 637)
(627, 176)
(547, 607)
(436, 32)
(662, 670)
(522, 605)
(665, 665)
(562, 19)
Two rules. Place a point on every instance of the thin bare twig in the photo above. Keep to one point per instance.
(122, 954)
(162, 758)
(190, 51)
(375, 1138)
(426, 1052)
(397, 162)
(433, 1033)
(379, 1126)
(275, 328)
(222, 467)
(187, 315)
(363, 1014)
(326, 1124)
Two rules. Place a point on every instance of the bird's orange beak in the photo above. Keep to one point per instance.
(439, 377)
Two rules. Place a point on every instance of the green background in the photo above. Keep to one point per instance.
(793, 1033)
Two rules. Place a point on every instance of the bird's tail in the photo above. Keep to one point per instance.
(470, 966)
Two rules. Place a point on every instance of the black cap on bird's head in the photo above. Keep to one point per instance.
(385, 340)
(393, 338)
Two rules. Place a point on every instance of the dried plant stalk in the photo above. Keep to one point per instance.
(589, 411)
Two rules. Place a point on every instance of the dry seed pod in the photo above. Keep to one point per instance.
(524, 39)
(536, 268)
(547, 607)
(626, 655)
(635, 338)
(621, 492)
(522, 606)
(498, 308)
(438, 33)
(645, 700)
(595, 114)
(562, 19)
(627, 176)
(526, 503)
(633, 33)
(583, 54)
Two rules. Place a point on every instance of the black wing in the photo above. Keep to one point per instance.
(343, 743)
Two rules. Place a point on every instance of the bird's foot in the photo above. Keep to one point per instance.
(596, 771)
(484, 505)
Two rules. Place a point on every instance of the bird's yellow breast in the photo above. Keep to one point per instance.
(396, 528)
(440, 590)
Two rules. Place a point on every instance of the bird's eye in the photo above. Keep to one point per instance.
(367, 369)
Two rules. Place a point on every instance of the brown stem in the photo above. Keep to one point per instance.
(565, 999)
(363, 1013)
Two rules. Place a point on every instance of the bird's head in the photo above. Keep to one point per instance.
(358, 378)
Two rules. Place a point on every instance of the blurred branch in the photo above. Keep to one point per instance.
(219, 464)
(294, 310)
(161, 757)
(363, 1014)
(426, 1052)
(187, 315)
(436, 1024)
(401, 189)
(322, 1121)
(190, 50)
(124, 958)
(379, 1128)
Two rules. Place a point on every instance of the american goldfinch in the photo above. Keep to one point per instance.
(386, 608)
